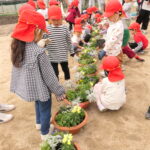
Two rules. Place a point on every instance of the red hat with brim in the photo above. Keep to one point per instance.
(112, 64)
(54, 12)
(77, 28)
(134, 26)
(78, 20)
(32, 3)
(94, 9)
(25, 7)
(85, 16)
(41, 4)
(28, 21)
(89, 10)
(53, 2)
(112, 7)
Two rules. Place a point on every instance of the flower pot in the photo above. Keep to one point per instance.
(76, 146)
(91, 75)
(82, 105)
(74, 129)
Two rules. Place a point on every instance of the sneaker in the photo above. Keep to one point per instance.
(6, 107)
(147, 116)
(140, 59)
(5, 117)
(38, 126)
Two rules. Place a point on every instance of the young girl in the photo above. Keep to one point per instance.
(110, 92)
(73, 12)
(141, 42)
(115, 31)
(60, 42)
(42, 9)
(33, 78)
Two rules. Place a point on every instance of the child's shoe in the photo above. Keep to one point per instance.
(5, 117)
(38, 126)
(6, 107)
(139, 58)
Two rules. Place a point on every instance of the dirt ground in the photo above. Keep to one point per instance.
(125, 129)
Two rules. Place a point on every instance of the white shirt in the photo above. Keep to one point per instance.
(43, 12)
(112, 94)
(145, 6)
(114, 39)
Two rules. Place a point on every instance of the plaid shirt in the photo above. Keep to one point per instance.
(35, 79)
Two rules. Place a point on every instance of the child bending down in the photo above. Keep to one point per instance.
(141, 42)
(110, 92)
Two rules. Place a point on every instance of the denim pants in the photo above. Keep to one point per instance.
(101, 54)
(43, 114)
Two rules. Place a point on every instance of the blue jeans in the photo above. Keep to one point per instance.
(101, 54)
(43, 114)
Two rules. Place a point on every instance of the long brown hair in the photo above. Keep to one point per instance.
(17, 52)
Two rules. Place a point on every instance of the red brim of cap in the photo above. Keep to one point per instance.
(116, 75)
(24, 32)
(108, 14)
(78, 31)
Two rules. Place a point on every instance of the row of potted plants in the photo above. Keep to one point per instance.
(72, 117)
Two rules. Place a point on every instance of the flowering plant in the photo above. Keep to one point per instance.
(58, 141)
(88, 69)
(69, 116)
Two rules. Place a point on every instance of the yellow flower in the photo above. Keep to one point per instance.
(69, 143)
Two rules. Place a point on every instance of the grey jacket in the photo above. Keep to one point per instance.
(35, 79)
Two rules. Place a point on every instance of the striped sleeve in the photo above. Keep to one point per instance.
(49, 76)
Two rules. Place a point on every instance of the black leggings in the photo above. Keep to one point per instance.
(70, 26)
(65, 68)
(143, 18)
(134, 45)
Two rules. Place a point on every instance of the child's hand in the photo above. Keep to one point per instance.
(43, 42)
(61, 98)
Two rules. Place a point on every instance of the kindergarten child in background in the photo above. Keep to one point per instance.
(73, 12)
(33, 78)
(114, 35)
(42, 9)
(141, 42)
(110, 92)
(76, 38)
(127, 6)
(60, 42)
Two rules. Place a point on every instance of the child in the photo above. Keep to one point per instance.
(110, 92)
(42, 9)
(114, 35)
(141, 42)
(73, 12)
(76, 38)
(60, 42)
(33, 78)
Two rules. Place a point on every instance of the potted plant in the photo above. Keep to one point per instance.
(70, 118)
(59, 141)
(88, 70)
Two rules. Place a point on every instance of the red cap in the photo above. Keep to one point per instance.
(54, 12)
(134, 26)
(41, 4)
(112, 7)
(53, 2)
(97, 15)
(89, 10)
(94, 9)
(28, 21)
(77, 28)
(78, 20)
(89, 26)
(25, 7)
(75, 3)
(112, 64)
(32, 3)
(85, 16)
